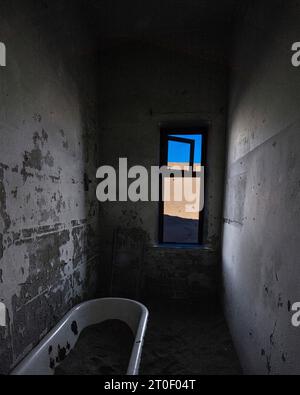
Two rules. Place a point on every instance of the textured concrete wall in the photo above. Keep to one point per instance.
(145, 84)
(48, 155)
(261, 229)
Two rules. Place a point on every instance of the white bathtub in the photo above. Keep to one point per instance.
(60, 340)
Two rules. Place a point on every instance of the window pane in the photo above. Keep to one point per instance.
(178, 152)
(198, 147)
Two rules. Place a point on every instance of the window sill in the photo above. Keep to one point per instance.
(171, 246)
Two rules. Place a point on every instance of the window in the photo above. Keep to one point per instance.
(181, 214)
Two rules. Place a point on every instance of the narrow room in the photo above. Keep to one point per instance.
(149, 189)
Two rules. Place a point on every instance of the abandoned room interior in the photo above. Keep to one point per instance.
(99, 273)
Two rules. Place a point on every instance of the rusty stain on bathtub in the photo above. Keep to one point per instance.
(74, 328)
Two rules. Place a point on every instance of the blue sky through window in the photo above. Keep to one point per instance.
(180, 152)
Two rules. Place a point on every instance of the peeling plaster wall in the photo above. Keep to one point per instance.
(48, 155)
(261, 225)
(145, 83)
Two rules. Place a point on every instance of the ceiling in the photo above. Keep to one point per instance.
(198, 27)
(157, 17)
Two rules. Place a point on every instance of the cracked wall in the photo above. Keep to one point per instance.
(261, 219)
(48, 154)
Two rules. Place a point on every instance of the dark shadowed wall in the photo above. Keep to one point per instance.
(145, 84)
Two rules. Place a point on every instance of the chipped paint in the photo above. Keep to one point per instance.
(47, 263)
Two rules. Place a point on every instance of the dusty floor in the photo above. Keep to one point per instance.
(102, 349)
(181, 339)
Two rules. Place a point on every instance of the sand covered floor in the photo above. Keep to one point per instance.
(181, 339)
(102, 349)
